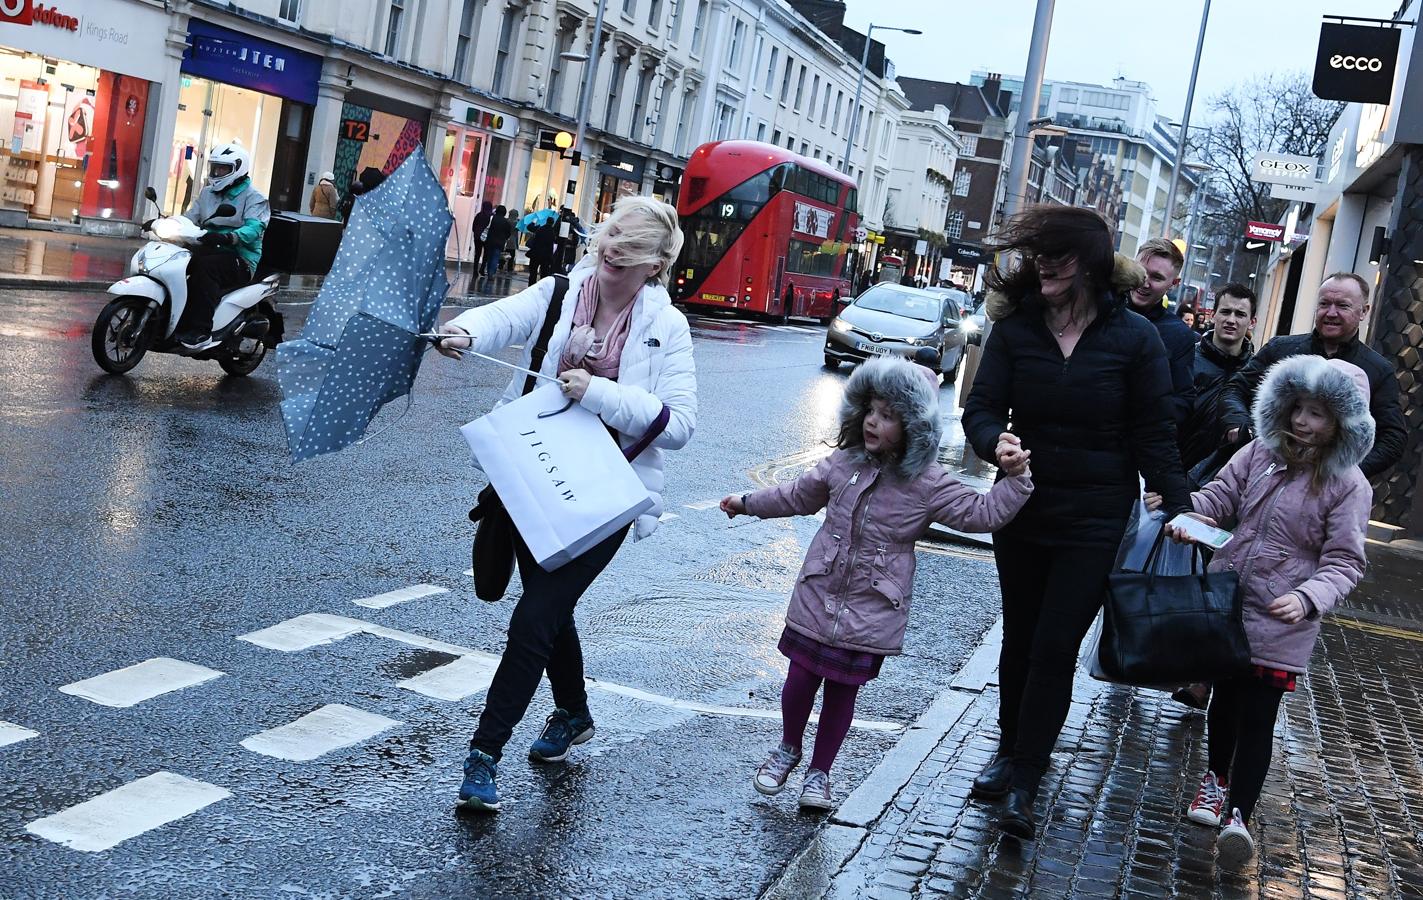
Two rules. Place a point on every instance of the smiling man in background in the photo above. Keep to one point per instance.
(1221, 352)
(1163, 262)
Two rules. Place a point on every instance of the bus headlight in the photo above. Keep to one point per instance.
(840, 325)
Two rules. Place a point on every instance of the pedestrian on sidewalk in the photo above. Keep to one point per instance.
(880, 490)
(496, 235)
(622, 351)
(479, 233)
(325, 199)
(1071, 373)
(1300, 504)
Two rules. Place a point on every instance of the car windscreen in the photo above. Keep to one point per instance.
(901, 303)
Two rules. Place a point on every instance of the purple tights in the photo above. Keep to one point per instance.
(836, 711)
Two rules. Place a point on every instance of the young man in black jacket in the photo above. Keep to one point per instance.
(1162, 262)
(1343, 303)
(1220, 354)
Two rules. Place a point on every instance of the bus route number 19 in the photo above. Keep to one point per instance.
(728, 210)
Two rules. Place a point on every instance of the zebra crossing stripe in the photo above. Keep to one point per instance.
(455, 680)
(701, 505)
(10, 733)
(319, 732)
(134, 684)
(127, 811)
(302, 632)
(404, 595)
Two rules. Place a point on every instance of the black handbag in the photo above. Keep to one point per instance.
(1173, 629)
(493, 550)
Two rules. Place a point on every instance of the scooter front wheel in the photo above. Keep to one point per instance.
(117, 343)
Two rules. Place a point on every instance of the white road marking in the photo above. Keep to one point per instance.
(10, 733)
(326, 624)
(801, 328)
(127, 811)
(404, 595)
(303, 632)
(456, 680)
(319, 732)
(667, 517)
(469, 573)
(703, 504)
(144, 681)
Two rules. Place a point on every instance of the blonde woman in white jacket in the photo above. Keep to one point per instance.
(621, 350)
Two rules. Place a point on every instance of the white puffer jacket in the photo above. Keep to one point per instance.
(657, 369)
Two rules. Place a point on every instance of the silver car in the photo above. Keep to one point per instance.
(894, 320)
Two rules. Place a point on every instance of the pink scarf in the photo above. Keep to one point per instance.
(600, 356)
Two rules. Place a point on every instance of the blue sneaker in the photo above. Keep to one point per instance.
(478, 792)
(562, 731)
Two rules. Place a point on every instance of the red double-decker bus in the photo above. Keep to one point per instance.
(766, 232)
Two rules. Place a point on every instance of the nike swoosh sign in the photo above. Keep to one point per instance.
(1254, 245)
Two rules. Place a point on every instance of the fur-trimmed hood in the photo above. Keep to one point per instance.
(1342, 387)
(912, 392)
(1127, 276)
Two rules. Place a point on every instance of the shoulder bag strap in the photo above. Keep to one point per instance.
(555, 308)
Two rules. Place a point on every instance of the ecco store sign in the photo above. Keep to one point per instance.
(1355, 63)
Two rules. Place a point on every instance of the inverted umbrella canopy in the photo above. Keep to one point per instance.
(361, 345)
(537, 218)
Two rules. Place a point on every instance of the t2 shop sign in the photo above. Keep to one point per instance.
(1355, 63)
(1264, 231)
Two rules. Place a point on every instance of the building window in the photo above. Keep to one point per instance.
(639, 101)
(761, 131)
(562, 44)
(953, 225)
(786, 78)
(962, 181)
(689, 106)
(839, 101)
(699, 27)
(771, 69)
(738, 37)
(790, 142)
(289, 11)
(392, 27)
(814, 93)
(869, 127)
(817, 153)
(610, 112)
(501, 54)
(970, 144)
(629, 8)
(465, 41)
(799, 88)
(1105, 100)
(654, 15)
(825, 106)
(676, 26)
(776, 137)
(724, 116)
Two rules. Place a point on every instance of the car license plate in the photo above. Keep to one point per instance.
(715, 298)
(876, 349)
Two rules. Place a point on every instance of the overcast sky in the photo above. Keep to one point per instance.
(1097, 40)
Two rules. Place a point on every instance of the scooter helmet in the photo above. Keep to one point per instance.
(227, 165)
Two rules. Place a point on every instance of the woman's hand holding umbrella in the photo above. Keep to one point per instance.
(452, 346)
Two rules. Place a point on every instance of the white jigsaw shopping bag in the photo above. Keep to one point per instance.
(559, 473)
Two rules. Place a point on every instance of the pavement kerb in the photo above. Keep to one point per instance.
(50, 283)
(811, 872)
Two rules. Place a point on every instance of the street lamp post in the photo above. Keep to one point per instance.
(860, 87)
(1185, 125)
(1027, 111)
(585, 97)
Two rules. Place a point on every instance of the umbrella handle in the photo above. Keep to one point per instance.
(436, 338)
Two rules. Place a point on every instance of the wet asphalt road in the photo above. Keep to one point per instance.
(157, 515)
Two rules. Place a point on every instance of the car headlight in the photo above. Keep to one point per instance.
(968, 326)
(840, 325)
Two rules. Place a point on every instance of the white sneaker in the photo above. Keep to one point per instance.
(1206, 809)
(771, 777)
(1234, 847)
(815, 791)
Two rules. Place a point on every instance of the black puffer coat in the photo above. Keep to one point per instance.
(1092, 421)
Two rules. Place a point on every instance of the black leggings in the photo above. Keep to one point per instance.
(1050, 597)
(542, 638)
(1240, 734)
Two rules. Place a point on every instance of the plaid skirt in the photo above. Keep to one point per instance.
(831, 663)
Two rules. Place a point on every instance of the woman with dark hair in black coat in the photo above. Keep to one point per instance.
(1074, 377)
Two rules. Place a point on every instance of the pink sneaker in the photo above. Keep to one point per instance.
(1234, 847)
(1206, 809)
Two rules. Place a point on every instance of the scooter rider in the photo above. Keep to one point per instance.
(230, 247)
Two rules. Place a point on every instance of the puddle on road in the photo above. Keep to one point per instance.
(415, 662)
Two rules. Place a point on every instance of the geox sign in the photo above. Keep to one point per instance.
(1282, 168)
(1356, 62)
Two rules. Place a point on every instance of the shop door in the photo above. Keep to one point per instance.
(289, 158)
(467, 154)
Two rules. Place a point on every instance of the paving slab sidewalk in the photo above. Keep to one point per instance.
(1341, 816)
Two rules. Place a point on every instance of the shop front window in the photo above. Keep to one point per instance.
(209, 114)
(71, 138)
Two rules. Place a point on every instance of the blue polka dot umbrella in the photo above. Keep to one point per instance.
(361, 346)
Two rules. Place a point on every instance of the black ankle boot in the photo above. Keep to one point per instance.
(995, 779)
(1017, 819)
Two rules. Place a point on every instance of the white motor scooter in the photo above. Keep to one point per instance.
(148, 304)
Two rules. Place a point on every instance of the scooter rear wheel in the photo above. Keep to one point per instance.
(234, 364)
(116, 347)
